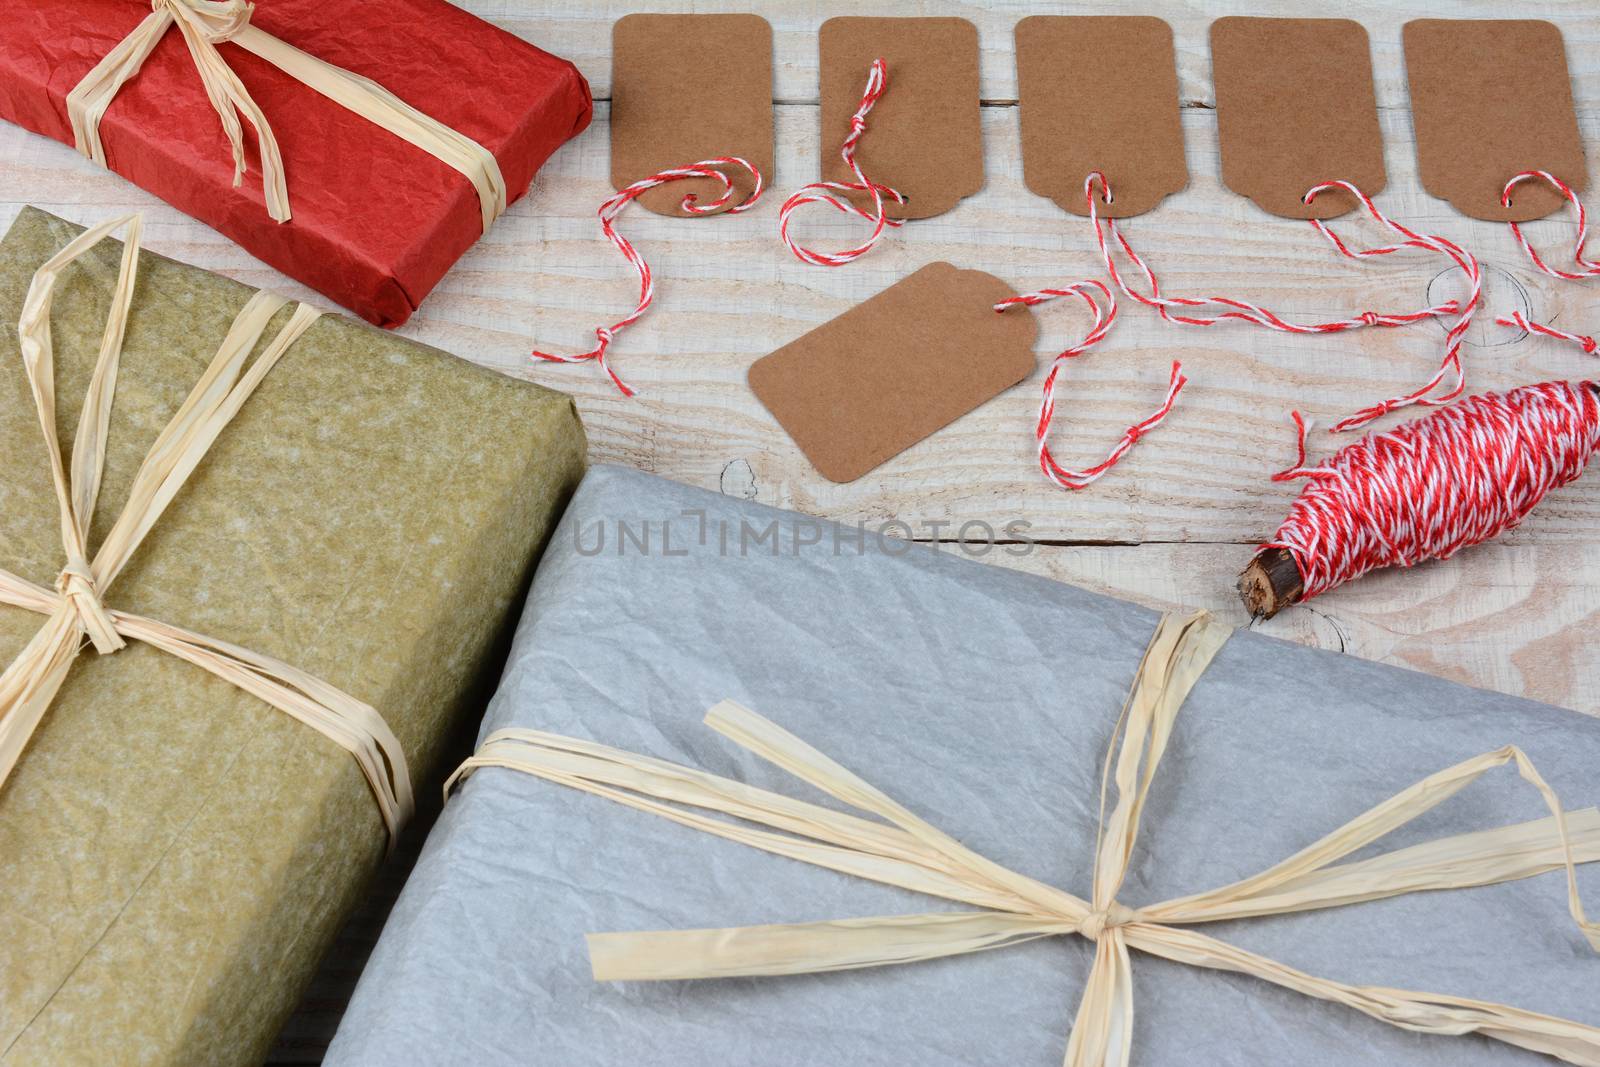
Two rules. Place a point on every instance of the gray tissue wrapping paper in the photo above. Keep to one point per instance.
(983, 699)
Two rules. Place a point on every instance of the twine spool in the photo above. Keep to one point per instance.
(1424, 490)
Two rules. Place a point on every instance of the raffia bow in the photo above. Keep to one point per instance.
(205, 24)
(905, 851)
(76, 607)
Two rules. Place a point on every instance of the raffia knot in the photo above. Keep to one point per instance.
(1589, 344)
(1096, 923)
(1371, 318)
(217, 20)
(76, 584)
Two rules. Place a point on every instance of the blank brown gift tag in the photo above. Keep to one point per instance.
(924, 136)
(1296, 107)
(887, 373)
(1490, 99)
(686, 88)
(1100, 93)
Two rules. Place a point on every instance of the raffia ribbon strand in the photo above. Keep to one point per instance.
(207, 23)
(76, 608)
(905, 851)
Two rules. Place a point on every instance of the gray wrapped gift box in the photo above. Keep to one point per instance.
(983, 699)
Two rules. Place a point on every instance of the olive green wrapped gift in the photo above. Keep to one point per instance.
(349, 539)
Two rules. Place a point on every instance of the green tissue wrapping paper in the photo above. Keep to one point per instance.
(177, 855)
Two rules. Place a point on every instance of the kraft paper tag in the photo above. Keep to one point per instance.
(924, 136)
(1295, 108)
(871, 383)
(1490, 99)
(686, 88)
(1100, 92)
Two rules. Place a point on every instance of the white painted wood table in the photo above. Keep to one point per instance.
(1173, 524)
(1179, 518)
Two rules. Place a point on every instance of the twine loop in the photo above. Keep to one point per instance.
(1587, 268)
(715, 169)
(821, 192)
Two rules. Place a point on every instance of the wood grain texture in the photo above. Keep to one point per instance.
(728, 294)
(1173, 524)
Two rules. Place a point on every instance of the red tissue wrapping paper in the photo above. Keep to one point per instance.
(377, 222)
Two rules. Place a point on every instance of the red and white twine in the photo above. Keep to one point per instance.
(1522, 322)
(1435, 485)
(820, 192)
(1104, 316)
(1172, 308)
(706, 168)
(1587, 268)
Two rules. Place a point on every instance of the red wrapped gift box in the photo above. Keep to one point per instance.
(376, 221)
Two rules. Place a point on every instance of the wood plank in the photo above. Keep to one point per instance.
(581, 31)
(728, 293)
